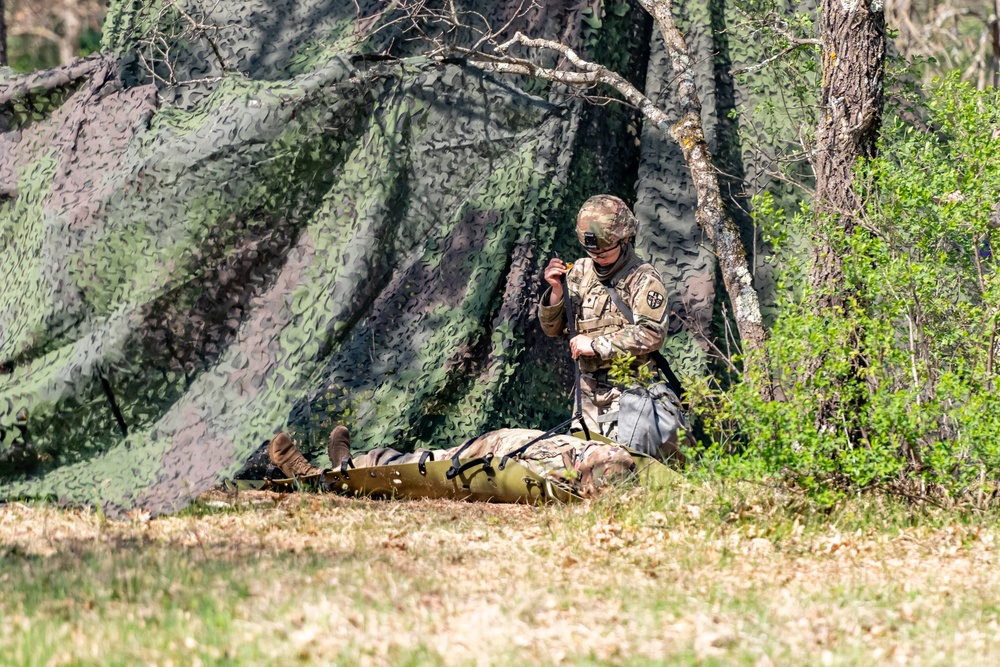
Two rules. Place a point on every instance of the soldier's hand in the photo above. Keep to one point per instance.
(582, 346)
(553, 276)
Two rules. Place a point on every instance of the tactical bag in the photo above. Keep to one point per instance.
(649, 417)
(648, 421)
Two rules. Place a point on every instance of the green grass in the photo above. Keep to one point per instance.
(691, 574)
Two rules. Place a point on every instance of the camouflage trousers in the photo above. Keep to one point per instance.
(585, 466)
(600, 403)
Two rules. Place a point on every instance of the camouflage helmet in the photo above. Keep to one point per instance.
(603, 222)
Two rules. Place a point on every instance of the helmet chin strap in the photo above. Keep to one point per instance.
(608, 272)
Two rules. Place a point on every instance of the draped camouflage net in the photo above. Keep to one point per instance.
(279, 233)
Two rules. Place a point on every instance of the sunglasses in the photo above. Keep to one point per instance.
(603, 253)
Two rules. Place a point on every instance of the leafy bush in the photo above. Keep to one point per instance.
(910, 362)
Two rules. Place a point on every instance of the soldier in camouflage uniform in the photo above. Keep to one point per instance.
(606, 229)
(583, 466)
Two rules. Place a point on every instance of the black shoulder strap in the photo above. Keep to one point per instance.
(661, 361)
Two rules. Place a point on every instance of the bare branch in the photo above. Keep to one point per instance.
(764, 63)
(521, 11)
(591, 74)
(773, 22)
(174, 24)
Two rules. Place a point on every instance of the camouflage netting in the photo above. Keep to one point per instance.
(277, 233)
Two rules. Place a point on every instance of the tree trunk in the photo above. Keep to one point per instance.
(852, 97)
(69, 45)
(712, 215)
(3, 33)
(853, 64)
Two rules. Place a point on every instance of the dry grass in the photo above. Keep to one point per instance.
(688, 574)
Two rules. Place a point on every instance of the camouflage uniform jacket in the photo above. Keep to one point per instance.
(640, 288)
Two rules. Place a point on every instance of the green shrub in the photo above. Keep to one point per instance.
(911, 360)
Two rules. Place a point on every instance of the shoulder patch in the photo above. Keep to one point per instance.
(651, 300)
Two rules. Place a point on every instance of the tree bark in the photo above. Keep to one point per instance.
(853, 37)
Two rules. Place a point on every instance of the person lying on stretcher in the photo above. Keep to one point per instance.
(584, 466)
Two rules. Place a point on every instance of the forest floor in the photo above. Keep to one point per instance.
(693, 573)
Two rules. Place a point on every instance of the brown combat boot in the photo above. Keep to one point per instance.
(339, 445)
(287, 456)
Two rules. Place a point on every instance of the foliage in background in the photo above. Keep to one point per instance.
(924, 416)
(46, 34)
(948, 35)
